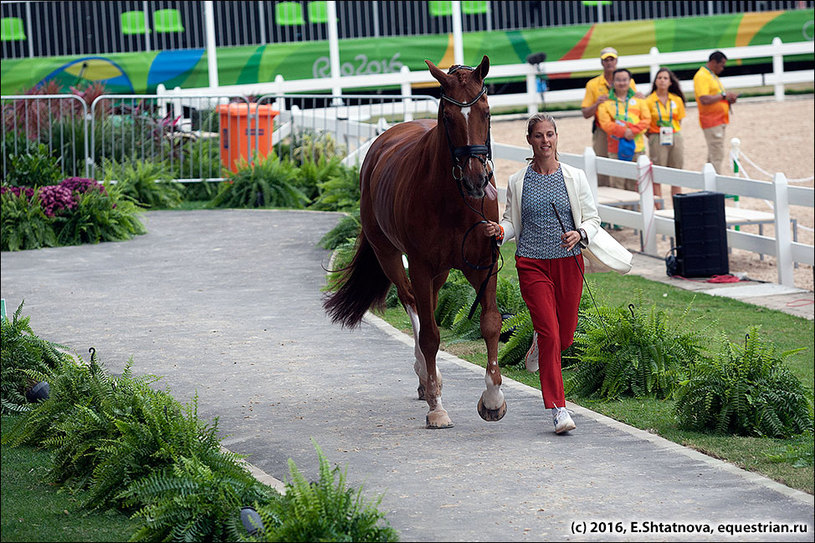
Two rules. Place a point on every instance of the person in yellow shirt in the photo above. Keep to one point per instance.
(597, 90)
(624, 117)
(714, 106)
(666, 104)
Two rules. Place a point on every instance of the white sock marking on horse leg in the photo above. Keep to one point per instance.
(419, 366)
(493, 397)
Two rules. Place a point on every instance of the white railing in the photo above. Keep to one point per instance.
(335, 84)
(645, 219)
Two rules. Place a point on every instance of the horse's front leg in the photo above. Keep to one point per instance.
(492, 406)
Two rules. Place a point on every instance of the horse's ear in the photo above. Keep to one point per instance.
(483, 68)
(440, 76)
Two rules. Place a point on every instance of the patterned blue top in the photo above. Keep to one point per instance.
(541, 231)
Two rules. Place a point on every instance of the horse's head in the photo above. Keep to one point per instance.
(464, 115)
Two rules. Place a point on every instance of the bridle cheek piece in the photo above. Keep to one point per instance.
(464, 153)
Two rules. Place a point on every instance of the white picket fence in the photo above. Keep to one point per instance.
(651, 223)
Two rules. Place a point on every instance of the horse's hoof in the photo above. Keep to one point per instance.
(491, 415)
(420, 390)
(438, 419)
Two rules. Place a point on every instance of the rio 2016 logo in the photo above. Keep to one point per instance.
(362, 65)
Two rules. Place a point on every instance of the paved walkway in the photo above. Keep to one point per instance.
(226, 304)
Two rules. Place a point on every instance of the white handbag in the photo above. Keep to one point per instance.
(605, 254)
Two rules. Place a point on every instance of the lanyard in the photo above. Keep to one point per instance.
(617, 104)
(715, 78)
(670, 111)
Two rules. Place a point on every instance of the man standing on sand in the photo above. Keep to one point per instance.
(597, 92)
(714, 106)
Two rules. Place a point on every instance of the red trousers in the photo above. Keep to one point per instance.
(551, 290)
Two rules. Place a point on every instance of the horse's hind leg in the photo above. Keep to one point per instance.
(428, 342)
(420, 365)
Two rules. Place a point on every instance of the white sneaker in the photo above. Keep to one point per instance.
(563, 420)
(532, 354)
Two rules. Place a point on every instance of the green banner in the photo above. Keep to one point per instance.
(142, 72)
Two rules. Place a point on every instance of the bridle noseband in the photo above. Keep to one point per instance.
(462, 154)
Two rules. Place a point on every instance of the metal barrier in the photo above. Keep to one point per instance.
(196, 138)
(144, 127)
(58, 121)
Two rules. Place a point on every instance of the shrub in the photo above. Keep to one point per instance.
(99, 216)
(149, 184)
(623, 353)
(347, 229)
(23, 223)
(745, 391)
(326, 510)
(34, 168)
(312, 174)
(21, 354)
(340, 192)
(269, 181)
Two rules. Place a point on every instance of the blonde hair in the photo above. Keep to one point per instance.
(536, 118)
(539, 117)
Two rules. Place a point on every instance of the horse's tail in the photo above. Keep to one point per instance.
(363, 285)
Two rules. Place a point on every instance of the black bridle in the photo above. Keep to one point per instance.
(460, 156)
(464, 153)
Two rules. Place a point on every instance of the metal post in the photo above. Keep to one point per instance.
(212, 59)
(783, 243)
(334, 48)
(144, 6)
(458, 42)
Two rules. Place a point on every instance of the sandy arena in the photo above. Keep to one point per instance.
(776, 136)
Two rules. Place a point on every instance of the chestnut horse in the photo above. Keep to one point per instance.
(426, 189)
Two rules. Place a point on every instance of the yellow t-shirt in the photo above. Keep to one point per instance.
(673, 111)
(596, 87)
(706, 82)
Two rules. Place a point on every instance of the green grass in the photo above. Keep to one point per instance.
(725, 315)
(33, 509)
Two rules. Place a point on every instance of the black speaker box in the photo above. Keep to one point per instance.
(701, 237)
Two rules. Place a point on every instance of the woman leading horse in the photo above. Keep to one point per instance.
(426, 186)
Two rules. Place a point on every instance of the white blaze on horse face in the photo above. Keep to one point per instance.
(493, 397)
(466, 112)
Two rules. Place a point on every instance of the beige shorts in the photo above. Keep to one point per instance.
(600, 146)
(672, 156)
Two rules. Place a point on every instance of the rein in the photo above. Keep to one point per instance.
(465, 153)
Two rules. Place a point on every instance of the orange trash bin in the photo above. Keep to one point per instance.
(244, 129)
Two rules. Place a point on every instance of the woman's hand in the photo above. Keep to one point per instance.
(492, 229)
(570, 239)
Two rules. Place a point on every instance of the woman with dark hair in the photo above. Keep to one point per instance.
(667, 105)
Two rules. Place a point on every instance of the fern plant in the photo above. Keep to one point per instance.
(149, 184)
(312, 173)
(348, 228)
(625, 353)
(23, 223)
(196, 499)
(340, 192)
(22, 354)
(99, 216)
(326, 510)
(267, 182)
(745, 390)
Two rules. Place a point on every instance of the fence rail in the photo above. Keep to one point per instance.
(646, 219)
